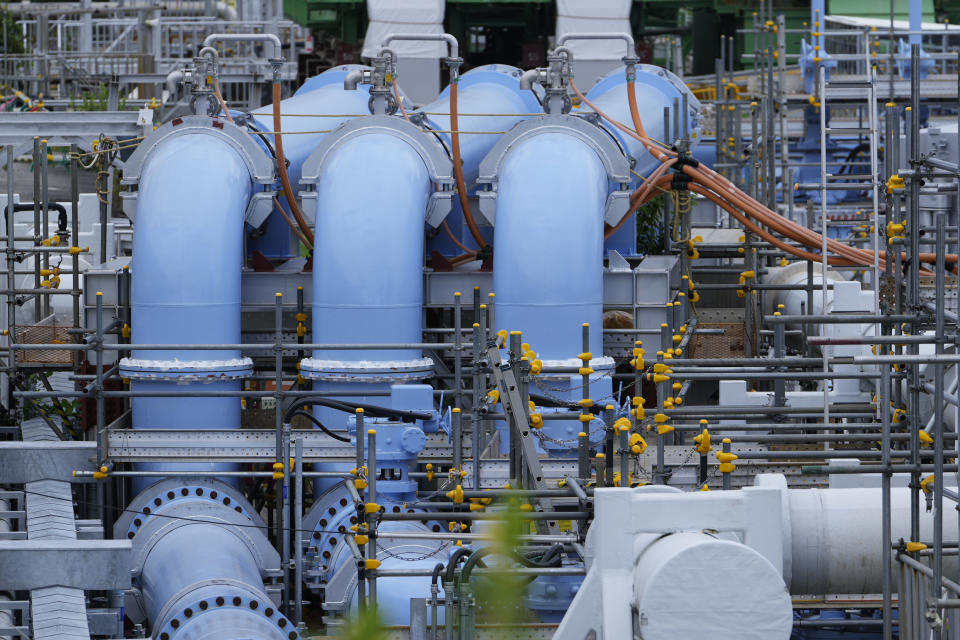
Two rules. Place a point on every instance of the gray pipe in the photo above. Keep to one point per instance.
(246, 37)
(452, 43)
(626, 37)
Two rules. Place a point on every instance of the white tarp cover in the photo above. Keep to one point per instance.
(593, 16)
(404, 16)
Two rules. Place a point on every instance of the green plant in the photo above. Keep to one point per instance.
(363, 625)
(12, 36)
(650, 227)
(96, 100)
(68, 410)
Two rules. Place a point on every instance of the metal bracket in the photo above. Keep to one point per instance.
(439, 167)
(516, 409)
(259, 163)
(23, 462)
(259, 208)
(81, 564)
(616, 164)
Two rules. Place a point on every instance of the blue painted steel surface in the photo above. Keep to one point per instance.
(321, 96)
(551, 193)
(186, 277)
(494, 90)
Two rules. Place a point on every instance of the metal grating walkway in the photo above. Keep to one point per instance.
(58, 613)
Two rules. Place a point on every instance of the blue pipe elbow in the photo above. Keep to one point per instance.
(182, 295)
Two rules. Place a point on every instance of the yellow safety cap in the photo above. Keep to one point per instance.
(585, 371)
(664, 429)
(372, 563)
(456, 495)
(586, 417)
(586, 355)
(725, 457)
(585, 402)
(371, 507)
(913, 547)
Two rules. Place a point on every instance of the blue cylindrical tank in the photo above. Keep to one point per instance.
(308, 110)
(493, 90)
(186, 280)
(656, 89)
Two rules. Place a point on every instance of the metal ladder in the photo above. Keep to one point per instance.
(517, 412)
(831, 181)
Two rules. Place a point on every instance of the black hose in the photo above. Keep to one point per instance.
(546, 401)
(437, 568)
(28, 206)
(309, 416)
(476, 558)
(370, 409)
(549, 559)
(452, 563)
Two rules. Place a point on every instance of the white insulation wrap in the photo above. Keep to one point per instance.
(404, 16)
(680, 591)
(594, 16)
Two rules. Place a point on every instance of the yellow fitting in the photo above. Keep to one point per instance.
(278, 466)
(895, 182)
(585, 371)
(476, 507)
(300, 317)
(536, 421)
(660, 368)
(586, 417)
(724, 457)
(372, 563)
(677, 386)
(925, 439)
(657, 378)
(925, 484)
(622, 424)
(585, 402)
(677, 338)
(278, 475)
(703, 443)
(535, 367)
(502, 335)
(664, 429)
(76, 250)
(125, 331)
(586, 356)
(494, 396)
(660, 418)
(430, 473)
(301, 330)
(456, 495)
(361, 539)
(371, 507)
(913, 547)
(360, 484)
(637, 444)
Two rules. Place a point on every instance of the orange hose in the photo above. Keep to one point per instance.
(223, 103)
(458, 168)
(282, 166)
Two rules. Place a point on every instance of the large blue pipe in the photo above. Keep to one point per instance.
(368, 260)
(551, 193)
(186, 279)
